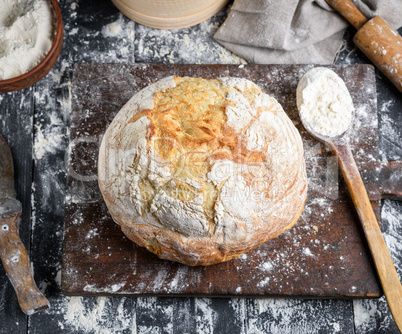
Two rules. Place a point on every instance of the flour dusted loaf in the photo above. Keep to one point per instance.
(201, 171)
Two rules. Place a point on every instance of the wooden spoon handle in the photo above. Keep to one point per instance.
(389, 279)
(16, 263)
(349, 11)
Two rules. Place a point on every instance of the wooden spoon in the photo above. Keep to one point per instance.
(388, 276)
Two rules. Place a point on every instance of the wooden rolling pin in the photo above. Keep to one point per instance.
(376, 39)
(15, 260)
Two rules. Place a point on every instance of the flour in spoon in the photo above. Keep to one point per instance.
(26, 35)
(324, 102)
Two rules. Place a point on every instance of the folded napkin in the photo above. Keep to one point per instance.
(294, 31)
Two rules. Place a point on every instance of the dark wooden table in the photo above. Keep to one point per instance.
(35, 122)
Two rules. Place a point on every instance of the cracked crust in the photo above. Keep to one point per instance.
(201, 171)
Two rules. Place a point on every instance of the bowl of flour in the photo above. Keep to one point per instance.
(31, 38)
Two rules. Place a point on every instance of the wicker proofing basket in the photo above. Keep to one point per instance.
(169, 14)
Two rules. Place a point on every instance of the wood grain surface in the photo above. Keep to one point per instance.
(386, 271)
(391, 180)
(324, 255)
(36, 122)
(21, 148)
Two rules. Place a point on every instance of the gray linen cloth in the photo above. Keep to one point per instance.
(294, 31)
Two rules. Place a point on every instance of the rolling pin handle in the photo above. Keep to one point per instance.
(383, 46)
(349, 11)
(16, 263)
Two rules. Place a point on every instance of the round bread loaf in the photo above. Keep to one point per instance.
(201, 171)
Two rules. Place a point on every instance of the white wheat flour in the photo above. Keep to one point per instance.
(324, 102)
(26, 35)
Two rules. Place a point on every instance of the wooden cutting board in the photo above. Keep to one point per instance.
(323, 255)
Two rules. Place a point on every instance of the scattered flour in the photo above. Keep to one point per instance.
(205, 316)
(26, 35)
(50, 140)
(390, 132)
(97, 315)
(190, 45)
(293, 316)
(374, 313)
(392, 230)
(368, 313)
(307, 251)
(114, 28)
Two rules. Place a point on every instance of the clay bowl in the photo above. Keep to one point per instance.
(39, 71)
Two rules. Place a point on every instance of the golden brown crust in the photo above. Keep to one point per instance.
(200, 171)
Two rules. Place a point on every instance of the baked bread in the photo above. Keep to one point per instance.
(201, 171)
